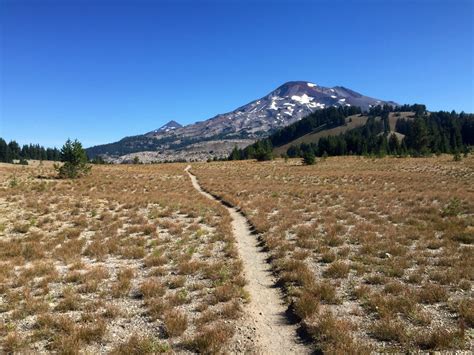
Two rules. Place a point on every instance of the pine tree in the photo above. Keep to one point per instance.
(14, 149)
(393, 144)
(235, 155)
(419, 140)
(5, 154)
(385, 122)
(309, 158)
(75, 160)
(263, 150)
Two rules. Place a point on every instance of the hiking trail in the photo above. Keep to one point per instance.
(265, 313)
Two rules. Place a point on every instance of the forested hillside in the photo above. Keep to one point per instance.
(421, 134)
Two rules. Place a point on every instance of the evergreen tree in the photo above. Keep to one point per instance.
(263, 150)
(75, 160)
(294, 152)
(235, 154)
(309, 158)
(5, 154)
(385, 122)
(382, 146)
(393, 144)
(419, 136)
(14, 149)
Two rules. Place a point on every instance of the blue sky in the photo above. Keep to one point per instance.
(102, 70)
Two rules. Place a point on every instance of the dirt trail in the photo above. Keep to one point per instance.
(265, 313)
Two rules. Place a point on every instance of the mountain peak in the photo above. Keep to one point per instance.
(172, 123)
(285, 105)
(297, 83)
(292, 87)
(170, 126)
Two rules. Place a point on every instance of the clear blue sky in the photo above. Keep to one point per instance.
(102, 70)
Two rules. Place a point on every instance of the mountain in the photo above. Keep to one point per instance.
(218, 135)
(170, 126)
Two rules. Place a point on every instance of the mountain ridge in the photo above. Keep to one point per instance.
(283, 106)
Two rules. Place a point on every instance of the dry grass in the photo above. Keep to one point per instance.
(138, 345)
(121, 261)
(209, 339)
(175, 323)
(372, 254)
(370, 251)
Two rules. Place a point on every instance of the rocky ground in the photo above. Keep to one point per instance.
(202, 151)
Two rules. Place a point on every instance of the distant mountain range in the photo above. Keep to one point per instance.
(218, 135)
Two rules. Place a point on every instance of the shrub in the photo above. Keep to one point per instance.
(70, 301)
(156, 307)
(140, 345)
(465, 309)
(211, 339)
(92, 332)
(225, 292)
(325, 292)
(12, 343)
(121, 287)
(152, 288)
(439, 339)
(334, 335)
(306, 305)
(337, 270)
(432, 293)
(388, 329)
(175, 323)
(452, 208)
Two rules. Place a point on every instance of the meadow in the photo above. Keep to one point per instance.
(130, 259)
(373, 254)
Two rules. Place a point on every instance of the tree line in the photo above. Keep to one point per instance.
(433, 133)
(12, 151)
(318, 120)
(72, 155)
(423, 134)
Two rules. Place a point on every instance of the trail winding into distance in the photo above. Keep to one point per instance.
(265, 312)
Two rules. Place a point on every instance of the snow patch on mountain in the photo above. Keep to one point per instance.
(303, 99)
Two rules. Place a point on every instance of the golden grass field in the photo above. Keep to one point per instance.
(372, 254)
(128, 259)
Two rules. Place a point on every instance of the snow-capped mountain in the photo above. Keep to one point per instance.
(216, 136)
(283, 106)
